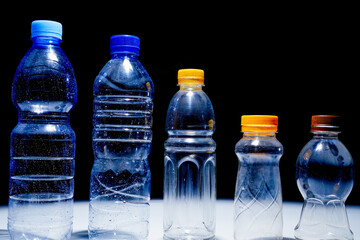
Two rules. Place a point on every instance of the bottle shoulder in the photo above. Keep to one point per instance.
(123, 76)
(44, 77)
(259, 145)
(48, 57)
(190, 110)
(325, 151)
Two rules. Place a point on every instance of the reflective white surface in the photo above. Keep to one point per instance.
(224, 220)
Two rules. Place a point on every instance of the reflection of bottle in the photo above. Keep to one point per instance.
(41, 185)
(258, 198)
(324, 175)
(189, 181)
(120, 177)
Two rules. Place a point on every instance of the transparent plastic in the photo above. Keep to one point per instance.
(324, 173)
(41, 185)
(189, 180)
(258, 197)
(120, 177)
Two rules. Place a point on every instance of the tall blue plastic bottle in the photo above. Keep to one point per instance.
(41, 185)
(120, 177)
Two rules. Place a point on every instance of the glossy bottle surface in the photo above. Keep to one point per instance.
(120, 177)
(258, 197)
(41, 185)
(324, 173)
(189, 179)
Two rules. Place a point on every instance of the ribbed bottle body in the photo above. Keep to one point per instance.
(190, 167)
(258, 196)
(120, 177)
(42, 154)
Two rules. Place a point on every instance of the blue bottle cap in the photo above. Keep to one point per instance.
(124, 43)
(46, 28)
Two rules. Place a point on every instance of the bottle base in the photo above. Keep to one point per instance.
(323, 221)
(189, 237)
(112, 235)
(262, 238)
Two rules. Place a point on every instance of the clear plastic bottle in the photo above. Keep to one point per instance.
(258, 198)
(122, 120)
(189, 179)
(41, 185)
(324, 173)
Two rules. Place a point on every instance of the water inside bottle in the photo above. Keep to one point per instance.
(29, 216)
(189, 189)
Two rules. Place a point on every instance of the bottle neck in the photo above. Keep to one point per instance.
(190, 86)
(325, 134)
(121, 55)
(47, 41)
(257, 134)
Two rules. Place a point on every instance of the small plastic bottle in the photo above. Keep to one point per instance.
(42, 155)
(324, 173)
(120, 177)
(189, 179)
(258, 198)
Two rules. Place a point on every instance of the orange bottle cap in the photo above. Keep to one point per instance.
(191, 76)
(263, 123)
(325, 123)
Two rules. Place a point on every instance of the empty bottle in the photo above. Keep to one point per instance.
(258, 198)
(41, 185)
(324, 173)
(189, 179)
(120, 177)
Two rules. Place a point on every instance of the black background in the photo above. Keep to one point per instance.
(290, 61)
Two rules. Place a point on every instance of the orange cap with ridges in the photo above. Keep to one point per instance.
(259, 123)
(191, 76)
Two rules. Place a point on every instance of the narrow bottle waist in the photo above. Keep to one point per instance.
(50, 117)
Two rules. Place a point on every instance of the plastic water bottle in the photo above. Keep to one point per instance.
(120, 177)
(258, 198)
(41, 185)
(189, 179)
(324, 173)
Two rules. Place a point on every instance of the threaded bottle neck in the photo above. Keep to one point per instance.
(325, 134)
(190, 86)
(45, 40)
(121, 55)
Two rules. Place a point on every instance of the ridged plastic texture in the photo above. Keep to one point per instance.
(325, 177)
(41, 185)
(120, 177)
(258, 197)
(189, 179)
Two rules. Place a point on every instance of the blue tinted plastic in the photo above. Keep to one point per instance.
(124, 43)
(46, 28)
(41, 185)
(120, 177)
